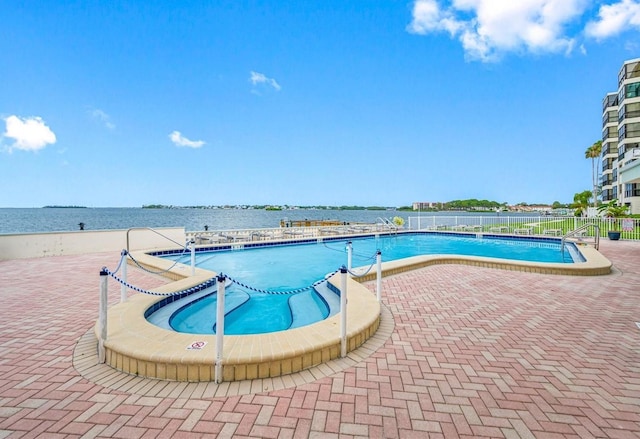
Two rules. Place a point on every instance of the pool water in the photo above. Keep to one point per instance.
(284, 268)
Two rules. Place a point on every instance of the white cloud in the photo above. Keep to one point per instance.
(260, 78)
(489, 28)
(30, 133)
(179, 140)
(614, 19)
(102, 117)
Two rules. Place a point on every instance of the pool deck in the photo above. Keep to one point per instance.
(465, 351)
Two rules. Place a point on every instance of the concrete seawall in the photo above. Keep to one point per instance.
(34, 245)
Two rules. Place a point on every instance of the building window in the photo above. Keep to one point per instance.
(609, 133)
(610, 117)
(629, 130)
(629, 111)
(622, 151)
(607, 164)
(609, 101)
(632, 90)
(631, 190)
(628, 71)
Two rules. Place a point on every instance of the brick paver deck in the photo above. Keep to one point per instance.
(474, 352)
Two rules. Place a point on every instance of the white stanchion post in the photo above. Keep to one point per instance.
(123, 285)
(379, 275)
(349, 255)
(102, 317)
(219, 328)
(343, 312)
(192, 245)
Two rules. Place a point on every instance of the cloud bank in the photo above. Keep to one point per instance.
(179, 140)
(487, 29)
(29, 133)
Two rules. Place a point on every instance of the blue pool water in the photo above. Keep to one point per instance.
(283, 268)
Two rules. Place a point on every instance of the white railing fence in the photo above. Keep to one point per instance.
(285, 233)
(535, 225)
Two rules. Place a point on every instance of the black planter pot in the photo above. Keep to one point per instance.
(614, 235)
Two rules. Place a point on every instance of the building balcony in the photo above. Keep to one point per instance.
(630, 171)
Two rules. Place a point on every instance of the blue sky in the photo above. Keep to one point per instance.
(115, 103)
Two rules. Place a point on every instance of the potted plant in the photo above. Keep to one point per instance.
(398, 221)
(614, 211)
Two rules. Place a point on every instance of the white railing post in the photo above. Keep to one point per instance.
(343, 312)
(379, 275)
(349, 255)
(123, 285)
(219, 328)
(102, 316)
(192, 246)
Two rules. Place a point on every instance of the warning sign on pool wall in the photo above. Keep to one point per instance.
(196, 345)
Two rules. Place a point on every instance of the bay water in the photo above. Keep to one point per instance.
(35, 220)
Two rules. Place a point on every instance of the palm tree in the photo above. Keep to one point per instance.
(593, 152)
(581, 202)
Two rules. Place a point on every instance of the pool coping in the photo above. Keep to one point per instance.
(140, 348)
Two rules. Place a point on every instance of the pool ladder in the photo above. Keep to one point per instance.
(577, 235)
(387, 223)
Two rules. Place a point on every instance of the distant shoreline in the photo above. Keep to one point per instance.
(64, 207)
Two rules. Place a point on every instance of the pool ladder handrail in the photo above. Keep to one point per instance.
(387, 223)
(574, 233)
(154, 231)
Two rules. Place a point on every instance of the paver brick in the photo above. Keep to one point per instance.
(473, 352)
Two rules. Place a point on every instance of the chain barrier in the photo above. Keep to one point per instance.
(211, 282)
(199, 287)
(123, 256)
(360, 255)
(362, 274)
(296, 291)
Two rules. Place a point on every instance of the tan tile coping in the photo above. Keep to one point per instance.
(595, 264)
(85, 361)
(140, 348)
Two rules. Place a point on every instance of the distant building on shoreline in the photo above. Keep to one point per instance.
(425, 205)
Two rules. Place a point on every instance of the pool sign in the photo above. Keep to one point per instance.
(196, 345)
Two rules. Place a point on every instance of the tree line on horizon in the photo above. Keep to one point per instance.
(469, 204)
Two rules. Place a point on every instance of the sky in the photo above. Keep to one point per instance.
(318, 102)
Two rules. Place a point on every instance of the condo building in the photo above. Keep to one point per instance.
(621, 139)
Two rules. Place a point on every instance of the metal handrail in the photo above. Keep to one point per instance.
(154, 231)
(387, 222)
(573, 233)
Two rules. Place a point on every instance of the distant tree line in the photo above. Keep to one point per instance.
(473, 204)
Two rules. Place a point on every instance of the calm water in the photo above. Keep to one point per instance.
(67, 219)
(15, 220)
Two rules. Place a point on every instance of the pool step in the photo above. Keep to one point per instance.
(303, 306)
(329, 296)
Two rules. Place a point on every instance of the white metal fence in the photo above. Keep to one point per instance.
(286, 233)
(526, 225)
(518, 225)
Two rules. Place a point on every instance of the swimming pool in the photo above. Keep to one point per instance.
(261, 269)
